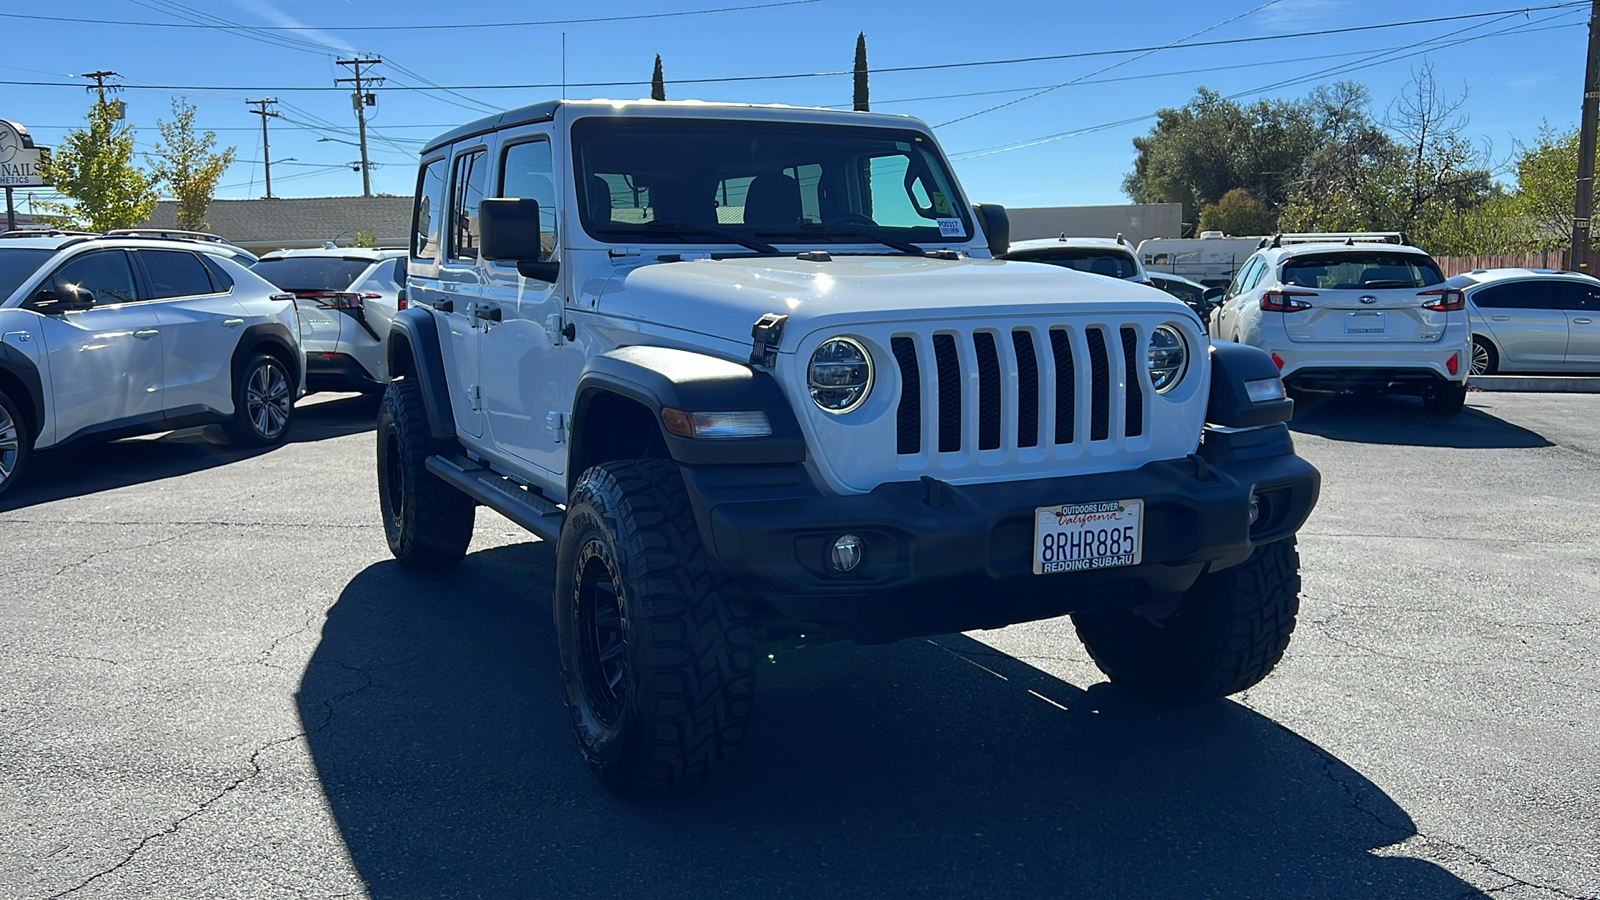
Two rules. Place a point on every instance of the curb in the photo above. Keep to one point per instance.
(1537, 384)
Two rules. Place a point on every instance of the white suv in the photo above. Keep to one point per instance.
(754, 372)
(1352, 312)
(113, 336)
(347, 297)
(1112, 258)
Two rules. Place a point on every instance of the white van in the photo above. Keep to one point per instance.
(1210, 259)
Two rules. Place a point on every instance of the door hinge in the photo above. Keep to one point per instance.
(555, 424)
(557, 331)
(768, 332)
(474, 398)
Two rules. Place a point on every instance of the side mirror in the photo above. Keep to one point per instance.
(509, 231)
(50, 303)
(996, 227)
(1212, 295)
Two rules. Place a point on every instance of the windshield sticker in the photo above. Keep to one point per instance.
(951, 228)
(941, 203)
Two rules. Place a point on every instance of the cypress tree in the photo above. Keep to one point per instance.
(658, 87)
(861, 72)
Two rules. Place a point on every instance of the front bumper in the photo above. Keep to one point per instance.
(939, 557)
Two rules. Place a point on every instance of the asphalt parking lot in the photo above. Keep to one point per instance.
(214, 682)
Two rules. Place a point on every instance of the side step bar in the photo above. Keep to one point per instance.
(521, 505)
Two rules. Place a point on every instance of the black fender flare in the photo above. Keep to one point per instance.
(659, 377)
(414, 348)
(273, 333)
(1229, 405)
(19, 366)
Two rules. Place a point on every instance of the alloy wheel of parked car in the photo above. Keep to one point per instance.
(1483, 357)
(268, 399)
(13, 444)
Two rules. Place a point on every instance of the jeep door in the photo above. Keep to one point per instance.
(461, 282)
(529, 367)
(200, 325)
(106, 362)
(1526, 321)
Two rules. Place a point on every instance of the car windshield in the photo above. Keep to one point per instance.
(772, 181)
(16, 264)
(1095, 261)
(305, 274)
(1358, 271)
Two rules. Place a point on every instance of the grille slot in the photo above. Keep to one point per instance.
(1133, 423)
(1027, 389)
(1066, 385)
(988, 391)
(1099, 386)
(949, 374)
(908, 424)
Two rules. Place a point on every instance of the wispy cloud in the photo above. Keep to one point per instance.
(1299, 15)
(278, 17)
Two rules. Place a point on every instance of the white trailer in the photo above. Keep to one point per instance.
(1210, 259)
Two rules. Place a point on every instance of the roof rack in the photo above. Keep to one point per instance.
(46, 232)
(1348, 238)
(170, 234)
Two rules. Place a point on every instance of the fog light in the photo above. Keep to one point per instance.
(1255, 508)
(846, 554)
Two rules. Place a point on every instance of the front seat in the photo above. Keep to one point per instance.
(1106, 267)
(772, 201)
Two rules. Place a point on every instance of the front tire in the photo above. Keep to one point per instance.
(657, 656)
(1445, 400)
(263, 404)
(428, 523)
(15, 442)
(1227, 634)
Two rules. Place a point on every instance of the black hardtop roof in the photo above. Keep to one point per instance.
(526, 115)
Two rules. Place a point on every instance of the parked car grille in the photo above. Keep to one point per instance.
(1018, 391)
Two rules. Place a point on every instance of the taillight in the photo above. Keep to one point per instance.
(289, 297)
(371, 296)
(1449, 300)
(1284, 301)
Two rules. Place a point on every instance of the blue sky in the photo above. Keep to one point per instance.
(1530, 72)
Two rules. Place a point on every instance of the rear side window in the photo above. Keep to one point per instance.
(1374, 270)
(466, 192)
(1110, 263)
(219, 277)
(308, 274)
(425, 219)
(174, 273)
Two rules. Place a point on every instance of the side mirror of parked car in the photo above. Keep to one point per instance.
(996, 227)
(1212, 295)
(50, 303)
(509, 231)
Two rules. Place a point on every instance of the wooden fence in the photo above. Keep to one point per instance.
(1543, 259)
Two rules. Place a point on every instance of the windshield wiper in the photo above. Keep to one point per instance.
(732, 237)
(838, 228)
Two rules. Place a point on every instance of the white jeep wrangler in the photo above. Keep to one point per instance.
(756, 374)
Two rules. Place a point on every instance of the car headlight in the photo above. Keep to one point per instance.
(1167, 357)
(840, 375)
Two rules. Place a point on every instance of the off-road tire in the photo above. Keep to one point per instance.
(263, 403)
(679, 708)
(428, 522)
(15, 443)
(1445, 400)
(1227, 634)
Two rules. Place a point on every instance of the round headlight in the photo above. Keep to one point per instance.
(1167, 358)
(840, 375)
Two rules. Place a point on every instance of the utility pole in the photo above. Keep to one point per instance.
(266, 154)
(1583, 205)
(100, 86)
(361, 99)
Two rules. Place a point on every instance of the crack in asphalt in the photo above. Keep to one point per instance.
(109, 550)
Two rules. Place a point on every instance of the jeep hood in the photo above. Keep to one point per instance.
(724, 298)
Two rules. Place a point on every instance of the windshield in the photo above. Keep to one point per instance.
(774, 181)
(1108, 262)
(305, 274)
(16, 264)
(1356, 271)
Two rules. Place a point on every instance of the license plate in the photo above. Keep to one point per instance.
(1081, 536)
(1365, 322)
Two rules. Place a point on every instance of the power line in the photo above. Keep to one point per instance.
(442, 27)
(1568, 4)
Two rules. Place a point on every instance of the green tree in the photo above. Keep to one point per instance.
(860, 98)
(1547, 175)
(658, 85)
(1237, 212)
(366, 237)
(94, 167)
(185, 163)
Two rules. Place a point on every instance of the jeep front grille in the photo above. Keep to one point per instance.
(990, 393)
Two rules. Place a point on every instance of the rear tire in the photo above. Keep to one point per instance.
(15, 443)
(657, 655)
(1445, 400)
(1485, 359)
(428, 523)
(263, 404)
(1227, 634)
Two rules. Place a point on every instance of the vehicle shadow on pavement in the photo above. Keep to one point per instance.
(1388, 419)
(433, 710)
(88, 467)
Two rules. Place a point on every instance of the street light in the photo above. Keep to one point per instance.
(337, 141)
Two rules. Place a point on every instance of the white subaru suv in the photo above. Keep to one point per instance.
(347, 296)
(113, 336)
(756, 374)
(1356, 312)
